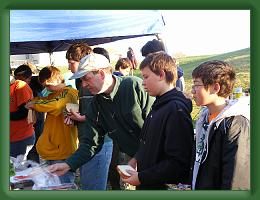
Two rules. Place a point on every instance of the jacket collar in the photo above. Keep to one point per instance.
(112, 95)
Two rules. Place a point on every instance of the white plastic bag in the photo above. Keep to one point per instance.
(43, 178)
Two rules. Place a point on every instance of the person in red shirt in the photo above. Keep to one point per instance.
(22, 136)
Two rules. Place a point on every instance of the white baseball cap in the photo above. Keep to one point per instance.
(90, 62)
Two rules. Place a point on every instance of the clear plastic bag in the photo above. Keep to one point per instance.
(42, 178)
(20, 164)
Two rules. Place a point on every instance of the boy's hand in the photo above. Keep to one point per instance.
(133, 163)
(133, 179)
(30, 105)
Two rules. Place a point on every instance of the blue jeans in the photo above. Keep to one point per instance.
(94, 173)
(69, 177)
(22, 147)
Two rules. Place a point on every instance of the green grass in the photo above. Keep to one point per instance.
(240, 60)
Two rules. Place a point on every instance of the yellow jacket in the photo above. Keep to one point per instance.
(58, 141)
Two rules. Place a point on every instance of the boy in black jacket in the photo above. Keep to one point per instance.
(167, 135)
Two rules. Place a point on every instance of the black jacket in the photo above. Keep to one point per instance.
(166, 142)
(228, 159)
(225, 160)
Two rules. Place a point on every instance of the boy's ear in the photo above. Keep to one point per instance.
(162, 75)
(216, 87)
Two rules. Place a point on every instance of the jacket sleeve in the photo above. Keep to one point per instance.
(175, 164)
(91, 139)
(144, 99)
(21, 113)
(236, 155)
(54, 104)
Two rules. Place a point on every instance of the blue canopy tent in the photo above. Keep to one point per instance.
(47, 31)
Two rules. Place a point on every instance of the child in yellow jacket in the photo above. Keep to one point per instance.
(58, 140)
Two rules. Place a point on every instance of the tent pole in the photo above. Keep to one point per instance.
(160, 38)
(51, 58)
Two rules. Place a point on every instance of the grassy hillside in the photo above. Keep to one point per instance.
(240, 60)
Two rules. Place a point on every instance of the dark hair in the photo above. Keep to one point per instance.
(123, 63)
(35, 86)
(22, 72)
(102, 51)
(50, 74)
(216, 71)
(161, 61)
(152, 46)
(78, 51)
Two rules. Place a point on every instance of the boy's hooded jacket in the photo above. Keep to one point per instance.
(166, 142)
(57, 141)
(222, 159)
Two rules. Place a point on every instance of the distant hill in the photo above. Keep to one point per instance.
(239, 59)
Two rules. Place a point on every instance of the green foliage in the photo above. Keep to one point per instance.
(11, 170)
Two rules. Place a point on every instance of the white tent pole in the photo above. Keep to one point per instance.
(51, 59)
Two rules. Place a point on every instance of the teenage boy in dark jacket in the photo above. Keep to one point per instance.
(167, 135)
(222, 155)
(118, 108)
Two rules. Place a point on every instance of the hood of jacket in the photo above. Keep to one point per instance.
(235, 107)
(176, 95)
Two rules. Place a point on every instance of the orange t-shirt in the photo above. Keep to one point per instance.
(212, 116)
(20, 92)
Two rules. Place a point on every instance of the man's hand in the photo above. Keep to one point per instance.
(76, 116)
(133, 179)
(59, 168)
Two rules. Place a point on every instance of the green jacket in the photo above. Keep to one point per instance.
(120, 115)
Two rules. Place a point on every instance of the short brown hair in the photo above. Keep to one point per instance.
(161, 61)
(50, 74)
(78, 51)
(216, 71)
(124, 63)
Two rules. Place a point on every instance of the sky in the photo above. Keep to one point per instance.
(198, 32)
(191, 32)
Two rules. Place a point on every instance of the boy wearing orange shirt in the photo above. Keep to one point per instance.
(22, 136)
(222, 154)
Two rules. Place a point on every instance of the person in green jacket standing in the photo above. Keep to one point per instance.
(118, 109)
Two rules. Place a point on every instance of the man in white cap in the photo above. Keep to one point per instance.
(118, 108)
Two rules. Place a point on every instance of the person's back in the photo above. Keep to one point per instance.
(131, 56)
(22, 135)
(222, 154)
(20, 93)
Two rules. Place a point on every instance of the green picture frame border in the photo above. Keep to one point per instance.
(7, 5)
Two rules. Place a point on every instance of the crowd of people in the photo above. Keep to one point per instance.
(123, 119)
